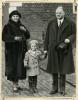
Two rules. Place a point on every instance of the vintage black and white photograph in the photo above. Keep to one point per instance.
(38, 49)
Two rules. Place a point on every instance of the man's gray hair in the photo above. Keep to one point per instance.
(60, 7)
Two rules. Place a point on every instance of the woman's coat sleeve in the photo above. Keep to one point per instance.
(6, 34)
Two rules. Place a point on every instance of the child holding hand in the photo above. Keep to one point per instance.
(31, 61)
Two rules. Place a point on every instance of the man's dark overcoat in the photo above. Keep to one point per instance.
(14, 50)
(55, 35)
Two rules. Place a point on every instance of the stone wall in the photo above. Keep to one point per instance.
(36, 16)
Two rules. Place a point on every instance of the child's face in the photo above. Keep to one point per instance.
(33, 47)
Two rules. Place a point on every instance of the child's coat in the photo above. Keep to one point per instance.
(32, 60)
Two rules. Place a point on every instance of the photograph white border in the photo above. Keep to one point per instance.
(38, 98)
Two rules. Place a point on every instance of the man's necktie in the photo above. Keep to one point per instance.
(59, 23)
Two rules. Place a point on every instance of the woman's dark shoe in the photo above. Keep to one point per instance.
(62, 93)
(53, 92)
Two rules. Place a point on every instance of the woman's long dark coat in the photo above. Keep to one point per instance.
(54, 37)
(14, 50)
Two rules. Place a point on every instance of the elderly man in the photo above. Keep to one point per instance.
(58, 43)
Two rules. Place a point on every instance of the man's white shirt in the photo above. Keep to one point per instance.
(60, 21)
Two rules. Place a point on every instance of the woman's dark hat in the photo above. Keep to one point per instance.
(15, 12)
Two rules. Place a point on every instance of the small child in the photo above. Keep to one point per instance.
(31, 61)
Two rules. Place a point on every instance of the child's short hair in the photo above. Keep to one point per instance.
(33, 42)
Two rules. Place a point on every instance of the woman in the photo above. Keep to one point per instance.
(15, 35)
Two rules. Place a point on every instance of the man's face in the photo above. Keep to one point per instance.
(59, 13)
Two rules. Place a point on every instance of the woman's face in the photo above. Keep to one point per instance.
(15, 18)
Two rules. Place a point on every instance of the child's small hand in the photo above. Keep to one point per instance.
(25, 63)
(43, 56)
(27, 67)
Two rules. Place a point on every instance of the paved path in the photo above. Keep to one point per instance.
(44, 84)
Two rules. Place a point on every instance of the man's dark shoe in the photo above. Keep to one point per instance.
(31, 90)
(35, 90)
(53, 92)
(19, 88)
(15, 90)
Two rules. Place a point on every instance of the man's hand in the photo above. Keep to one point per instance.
(45, 51)
(45, 54)
(67, 41)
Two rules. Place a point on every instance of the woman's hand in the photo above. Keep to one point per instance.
(18, 38)
(23, 28)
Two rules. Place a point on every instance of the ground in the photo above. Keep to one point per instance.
(44, 84)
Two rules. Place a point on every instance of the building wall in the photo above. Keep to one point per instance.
(36, 16)
(5, 13)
